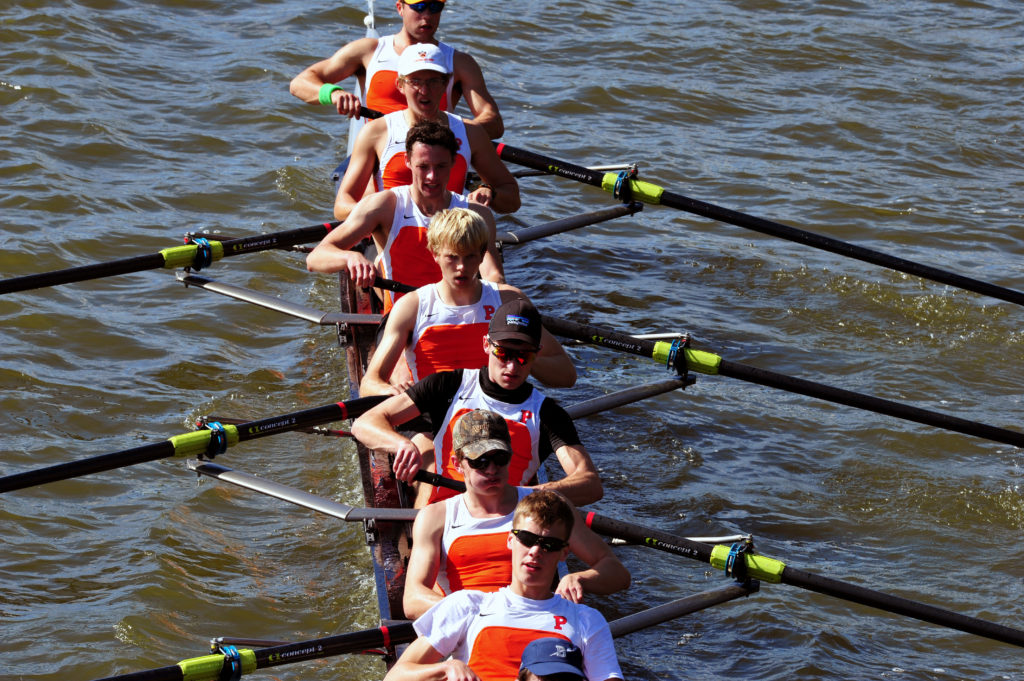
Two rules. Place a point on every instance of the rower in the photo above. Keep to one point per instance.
(374, 62)
(397, 221)
(439, 326)
(460, 543)
(486, 634)
(379, 150)
(537, 423)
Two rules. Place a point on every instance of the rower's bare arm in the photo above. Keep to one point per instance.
(376, 430)
(397, 332)
(581, 484)
(424, 561)
(346, 62)
(553, 366)
(332, 254)
(502, 194)
(606, 573)
(421, 662)
(359, 172)
(478, 99)
(491, 268)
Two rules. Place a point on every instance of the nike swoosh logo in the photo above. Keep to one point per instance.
(408, 217)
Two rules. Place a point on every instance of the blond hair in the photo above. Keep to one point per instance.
(460, 229)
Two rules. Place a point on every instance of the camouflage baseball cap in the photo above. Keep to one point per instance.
(479, 432)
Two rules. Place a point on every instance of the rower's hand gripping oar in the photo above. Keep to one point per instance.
(746, 564)
(627, 188)
(679, 356)
(208, 442)
(197, 254)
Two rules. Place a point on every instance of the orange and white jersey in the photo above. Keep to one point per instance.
(474, 551)
(489, 631)
(392, 170)
(381, 93)
(449, 337)
(405, 257)
(523, 420)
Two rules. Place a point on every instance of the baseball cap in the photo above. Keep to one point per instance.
(516, 320)
(421, 57)
(544, 656)
(480, 431)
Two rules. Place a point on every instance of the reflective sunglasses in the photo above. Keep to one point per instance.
(520, 357)
(481, 463)
(547, 544)
(433, 6)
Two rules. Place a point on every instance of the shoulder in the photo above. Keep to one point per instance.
(483, 210)
(379, 204)
(430, 519)
(463, 64)
(405, 310)
(509, 292)
(361, 49)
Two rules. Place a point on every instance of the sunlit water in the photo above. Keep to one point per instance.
(893, 126)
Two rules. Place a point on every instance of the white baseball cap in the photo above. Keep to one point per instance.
(421, 57)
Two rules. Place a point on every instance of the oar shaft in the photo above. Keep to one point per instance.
(211, 667)
(194, 443)
(96, 464)
(179, 256)
(774, 571)
(869, 403)
(650, 193)
(679, 607)
(708, 363)
(843, 248)
(535, 232)
(901, 606)
(285, 239)
(28, 282)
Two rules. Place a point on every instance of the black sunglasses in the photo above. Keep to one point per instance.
(547, 544)
(498, 458)
(433, 6)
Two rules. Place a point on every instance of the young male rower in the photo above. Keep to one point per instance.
(374, 61)
(538, 425)
(486, 633)
(397, 221)
(380, 147)
(438, 327)
(461, 542)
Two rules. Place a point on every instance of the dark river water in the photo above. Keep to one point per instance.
(895, 126)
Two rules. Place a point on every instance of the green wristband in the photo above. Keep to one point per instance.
(325, 93)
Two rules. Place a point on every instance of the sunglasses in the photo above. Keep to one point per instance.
(481, 463)
(547, 544)
(520, 357)
(434, 6)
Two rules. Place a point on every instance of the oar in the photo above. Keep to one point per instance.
(682, 359)
(654, 194)
(313, 502)
(194, 255)
(774, 571)
(233, 662)
(207, 442)
(535, 232)
(682, 606)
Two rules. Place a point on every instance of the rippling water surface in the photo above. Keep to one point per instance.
(895, 126)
